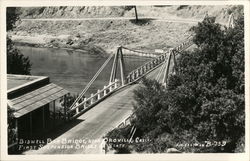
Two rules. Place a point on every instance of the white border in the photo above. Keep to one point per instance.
(3, 83)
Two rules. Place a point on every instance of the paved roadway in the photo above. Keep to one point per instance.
(94, 124)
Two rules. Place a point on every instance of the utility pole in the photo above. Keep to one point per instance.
(136, 16)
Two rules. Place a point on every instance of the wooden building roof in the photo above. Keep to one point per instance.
(37, 98)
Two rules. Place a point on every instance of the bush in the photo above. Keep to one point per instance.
(17, 63)
(120, 147)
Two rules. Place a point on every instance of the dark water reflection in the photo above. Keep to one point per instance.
(72, 69)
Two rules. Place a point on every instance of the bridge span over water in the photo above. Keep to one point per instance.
(91, 117)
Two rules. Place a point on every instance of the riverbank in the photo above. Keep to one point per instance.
(102, 37)
(162, 27)
(40, 41)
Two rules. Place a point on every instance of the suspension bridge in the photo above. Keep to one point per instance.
(111, 106)
(120, 79)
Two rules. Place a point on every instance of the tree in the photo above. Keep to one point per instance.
(17, 63)
(11, 17)
(212, 88)
(204, 104)
(210, 98)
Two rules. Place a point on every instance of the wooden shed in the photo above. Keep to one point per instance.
(37, 104)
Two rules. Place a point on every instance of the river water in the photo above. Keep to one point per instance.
(72, 70)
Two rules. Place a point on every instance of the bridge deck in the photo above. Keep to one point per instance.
(96, 122)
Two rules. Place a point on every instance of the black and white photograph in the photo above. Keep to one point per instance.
(130, 79)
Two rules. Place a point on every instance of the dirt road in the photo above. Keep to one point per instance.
(180, 20)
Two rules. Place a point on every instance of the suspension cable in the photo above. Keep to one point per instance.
(136, 51)
(91, 81)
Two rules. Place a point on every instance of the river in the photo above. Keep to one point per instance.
(72, 70)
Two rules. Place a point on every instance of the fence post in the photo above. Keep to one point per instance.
(142, 72)
(156, 61)
(153, 63)
(116, 83)
(99, 94)
(104, 90)
(92, 99)
(110, 87)
(138, 72)
(129, 78)
(144, 69)
(163, 58)
(160, 58)
(133, 75)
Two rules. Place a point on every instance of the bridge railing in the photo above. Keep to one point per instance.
(184, 45)
(94, 99)
(126, 121)
(145, 68)
(157, 61)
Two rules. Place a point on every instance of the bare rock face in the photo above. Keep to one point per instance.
(72, 12)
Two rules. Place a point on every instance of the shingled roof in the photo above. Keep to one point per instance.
(31, 93)
(35, 99)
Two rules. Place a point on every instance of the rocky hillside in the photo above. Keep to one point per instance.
(107, 34)
(221, 12)
(71, 12)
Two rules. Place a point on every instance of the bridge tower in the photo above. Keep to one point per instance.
(118, 60)
(166, 66)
